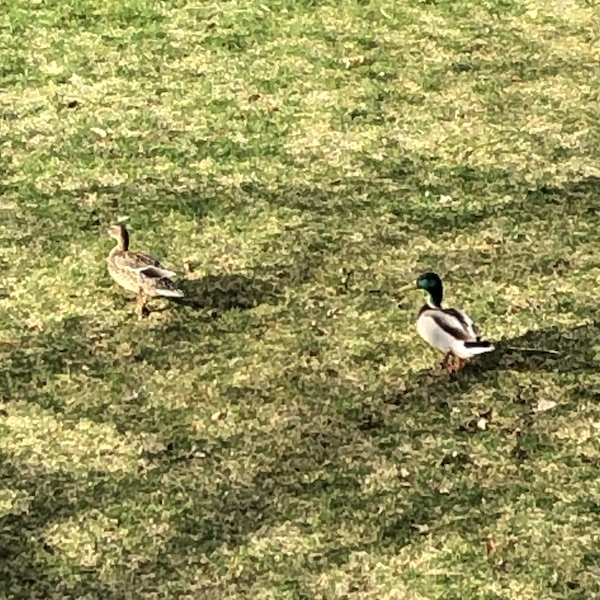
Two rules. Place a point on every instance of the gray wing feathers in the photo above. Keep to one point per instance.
(450, 325)
(464, 322)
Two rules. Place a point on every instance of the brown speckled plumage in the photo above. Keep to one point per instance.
(138, 272)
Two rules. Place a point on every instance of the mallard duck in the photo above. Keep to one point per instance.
(138, 272)
(447, 329)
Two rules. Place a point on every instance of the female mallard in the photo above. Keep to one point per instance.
(138, 272)
(448, 329)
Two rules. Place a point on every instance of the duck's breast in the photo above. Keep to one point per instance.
(129, 281)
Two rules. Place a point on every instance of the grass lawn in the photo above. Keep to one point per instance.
(285, 434)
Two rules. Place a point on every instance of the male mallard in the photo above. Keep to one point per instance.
(448, 329)
(138, 272)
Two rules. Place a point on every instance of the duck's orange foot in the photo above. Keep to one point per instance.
(446, 361)
(459, 365)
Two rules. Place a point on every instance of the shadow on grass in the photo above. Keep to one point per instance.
(307, 477)
(228, 291)
(576, 354)
(417, 204)
(76, 345)
(27, 562)
(314, 470)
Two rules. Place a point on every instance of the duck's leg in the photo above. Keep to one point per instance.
(459, 365)
(142, 309)
(454, 363)
(446, 360)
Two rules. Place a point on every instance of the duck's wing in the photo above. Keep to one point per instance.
(156, 283)
(140, 261)
(446, 331)
(465, 322)
(449, 324)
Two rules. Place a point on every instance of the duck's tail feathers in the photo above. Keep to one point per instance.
(154, 280)
(479, 347)
(168, 292)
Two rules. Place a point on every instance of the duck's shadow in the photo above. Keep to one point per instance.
(227, 292)
(551, 349)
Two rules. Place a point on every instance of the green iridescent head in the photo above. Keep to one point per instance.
(432, 284)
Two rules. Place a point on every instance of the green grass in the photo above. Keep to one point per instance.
(286, 434)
